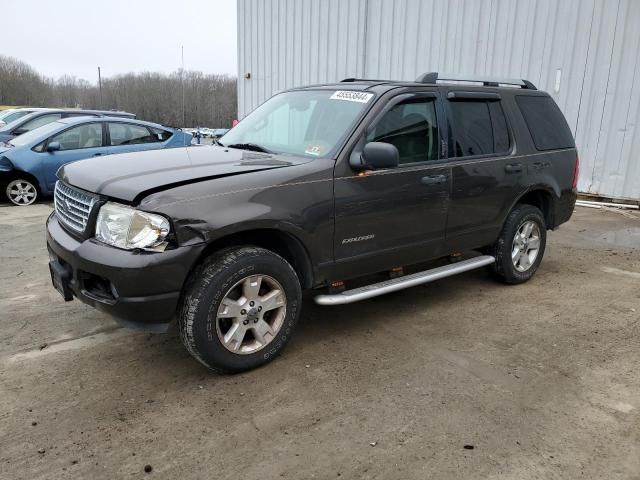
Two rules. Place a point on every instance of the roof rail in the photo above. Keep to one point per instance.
(351, 80)
(433, 77)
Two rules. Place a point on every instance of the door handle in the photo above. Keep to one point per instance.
(434, 179)
(97, 154)
(513, 168)
(541, 165)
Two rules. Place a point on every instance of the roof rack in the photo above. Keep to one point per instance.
(433, 77)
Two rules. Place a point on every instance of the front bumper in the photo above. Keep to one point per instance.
(141, 289)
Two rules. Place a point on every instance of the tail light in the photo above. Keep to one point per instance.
(576, 172)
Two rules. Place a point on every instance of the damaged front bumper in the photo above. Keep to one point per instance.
(140, 289)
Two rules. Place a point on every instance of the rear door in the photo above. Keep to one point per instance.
(487, 176)
(76, 143)
(394, 217)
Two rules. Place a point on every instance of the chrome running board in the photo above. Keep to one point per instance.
(400, 283)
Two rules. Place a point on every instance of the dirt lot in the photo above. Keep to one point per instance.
(542, 379)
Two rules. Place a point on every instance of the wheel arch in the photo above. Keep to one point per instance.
(285, 244)
(12, 175)
(17, 174)
(541, 198)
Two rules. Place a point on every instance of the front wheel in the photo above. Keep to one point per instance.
(521, 245)
(239, 309)
(22, 192)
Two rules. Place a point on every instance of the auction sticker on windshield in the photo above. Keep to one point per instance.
(351, 96)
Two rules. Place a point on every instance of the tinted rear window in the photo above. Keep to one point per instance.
(546, 123)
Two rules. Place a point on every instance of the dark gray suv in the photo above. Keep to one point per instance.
(351, 190)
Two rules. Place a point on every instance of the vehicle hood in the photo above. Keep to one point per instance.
(130, 176)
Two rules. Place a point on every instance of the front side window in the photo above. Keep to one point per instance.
(477, 128)
(82, 136)
(308, 123)
(40, 121)
(128, 134)
(412, 127)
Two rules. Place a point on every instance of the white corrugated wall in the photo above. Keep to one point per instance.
(586, 53)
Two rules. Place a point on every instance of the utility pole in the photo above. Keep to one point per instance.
(182, 75)
(100, 86)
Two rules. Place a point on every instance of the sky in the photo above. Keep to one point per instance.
(74, 37)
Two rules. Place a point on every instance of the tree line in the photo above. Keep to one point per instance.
(210, 100)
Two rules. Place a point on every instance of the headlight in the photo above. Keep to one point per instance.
(128, 228)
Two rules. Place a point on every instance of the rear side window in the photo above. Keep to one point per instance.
(128, 134)
(477, 128)
(545, 121)
(163, 135)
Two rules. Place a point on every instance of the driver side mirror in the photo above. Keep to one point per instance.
(53, 147)
(19, 131)
(376, 155)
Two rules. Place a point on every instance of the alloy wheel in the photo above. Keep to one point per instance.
(21, 192)
(251, 314)
(526, 246)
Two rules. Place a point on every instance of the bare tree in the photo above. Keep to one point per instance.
(210, 100)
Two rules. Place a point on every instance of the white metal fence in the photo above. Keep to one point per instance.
(585, 53)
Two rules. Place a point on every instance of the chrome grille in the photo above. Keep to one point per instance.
(73, 207)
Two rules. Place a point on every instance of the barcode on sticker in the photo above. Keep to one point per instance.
(351, 96)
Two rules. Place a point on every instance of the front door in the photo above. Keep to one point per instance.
(76, 143)
(388, 218)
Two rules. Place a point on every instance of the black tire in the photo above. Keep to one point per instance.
(207, 287)
(504, 268)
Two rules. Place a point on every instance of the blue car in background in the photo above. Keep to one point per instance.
(13, 114)
(28, 163)
(41, 116)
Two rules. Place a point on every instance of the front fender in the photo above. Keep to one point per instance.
(301, 207)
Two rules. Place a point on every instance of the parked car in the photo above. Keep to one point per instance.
(28, 163)
(219, 132)
(317, 189)
(13, 114)
(43, 116)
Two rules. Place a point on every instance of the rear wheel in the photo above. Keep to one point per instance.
(22, 192)
(240, 309)
(520, 247)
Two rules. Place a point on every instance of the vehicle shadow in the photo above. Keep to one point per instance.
(339, 326)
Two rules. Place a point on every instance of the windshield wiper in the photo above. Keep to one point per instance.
(250, 146)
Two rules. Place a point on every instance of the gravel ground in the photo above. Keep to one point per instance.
(463, 378)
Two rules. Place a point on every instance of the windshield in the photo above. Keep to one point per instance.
(36, 134)
(307, 122)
